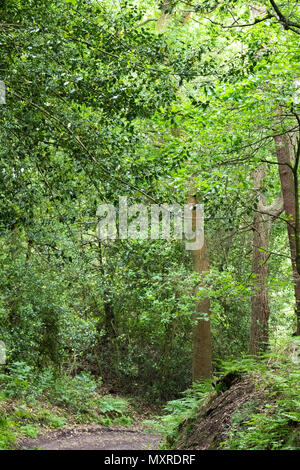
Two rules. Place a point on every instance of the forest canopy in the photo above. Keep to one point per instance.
(169, 103)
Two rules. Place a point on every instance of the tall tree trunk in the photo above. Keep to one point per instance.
(202, 344)
(289, 185)
(260, 309)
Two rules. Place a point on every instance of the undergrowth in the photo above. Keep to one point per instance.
(271, 425)
(176, 411)
(277, 425)
(31, 401)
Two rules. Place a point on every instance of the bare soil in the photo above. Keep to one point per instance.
(93, 438)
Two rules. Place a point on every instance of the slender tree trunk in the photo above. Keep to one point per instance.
(260, 309)
(289, 184)
(202, 344)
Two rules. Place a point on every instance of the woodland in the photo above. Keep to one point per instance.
(159, 102)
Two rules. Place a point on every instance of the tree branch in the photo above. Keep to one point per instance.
(283, 20)
(146, 21)
(237, 25)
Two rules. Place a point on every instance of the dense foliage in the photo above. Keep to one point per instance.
(144, 99)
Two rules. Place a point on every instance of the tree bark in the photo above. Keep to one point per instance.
(289, 184)
(202, 344)
(260, 309)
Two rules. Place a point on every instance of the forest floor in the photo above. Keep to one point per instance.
(204, 431)
(93, 438)
(251, 405)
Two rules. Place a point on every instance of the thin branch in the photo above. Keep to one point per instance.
(9, 25)
(276, 217)
(237, 25)
(146, 21)
(277, 163)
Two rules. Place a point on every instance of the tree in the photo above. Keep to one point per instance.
(262, 222)
(202, 344)
(288, 164)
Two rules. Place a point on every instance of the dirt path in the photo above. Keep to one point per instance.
(94, 438)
